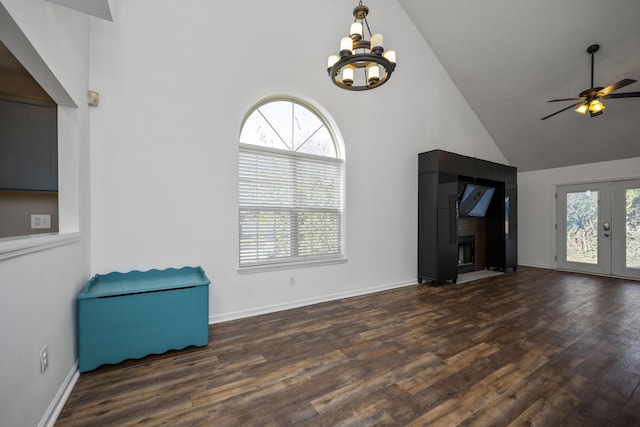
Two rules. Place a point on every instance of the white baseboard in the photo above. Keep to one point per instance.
(53, 411)
(241, 314)
(546, 267)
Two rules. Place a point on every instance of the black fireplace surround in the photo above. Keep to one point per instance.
(441, 175)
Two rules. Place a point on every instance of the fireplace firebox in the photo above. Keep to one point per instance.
(466, 254)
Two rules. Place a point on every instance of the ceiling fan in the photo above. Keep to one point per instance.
(590, 98)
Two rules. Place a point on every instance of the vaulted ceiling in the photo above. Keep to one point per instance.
(509, 57)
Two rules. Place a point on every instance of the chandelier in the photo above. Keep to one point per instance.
(362, 64)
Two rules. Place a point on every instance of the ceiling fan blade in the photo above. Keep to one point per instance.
(567, 99)
(564, 109)
(622, 83)
(623, 95)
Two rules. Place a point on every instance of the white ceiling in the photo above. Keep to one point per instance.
(97, 8)
(508, 57)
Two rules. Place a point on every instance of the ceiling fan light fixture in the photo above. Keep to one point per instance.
(589, 100)
(596, 106)
(582, 109)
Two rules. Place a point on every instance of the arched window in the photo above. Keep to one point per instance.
(291, 185)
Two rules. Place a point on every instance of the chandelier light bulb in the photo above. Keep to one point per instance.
(373, 73)
(356, 30)
(347, 76)
(377, 43)
(332, 60)
(346, 46)
(390, 55)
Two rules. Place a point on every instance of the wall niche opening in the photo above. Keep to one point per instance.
(28, 152)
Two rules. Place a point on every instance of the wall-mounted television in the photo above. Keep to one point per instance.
(475, 200)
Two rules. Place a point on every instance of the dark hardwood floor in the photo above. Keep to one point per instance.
(532, 347)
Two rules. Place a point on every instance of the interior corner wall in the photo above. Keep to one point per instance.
(537, 205)
(175, 80)
(38, 290)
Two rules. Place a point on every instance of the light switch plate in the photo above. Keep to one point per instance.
(39, 221)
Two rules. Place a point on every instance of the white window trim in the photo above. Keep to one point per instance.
(291, 265)
(11, 247)
(276, 151)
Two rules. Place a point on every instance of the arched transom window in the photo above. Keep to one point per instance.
(291, 186)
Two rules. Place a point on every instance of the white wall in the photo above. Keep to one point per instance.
(175, 80)
(536, 204)
(38, 290)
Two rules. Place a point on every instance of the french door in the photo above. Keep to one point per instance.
(598, 228)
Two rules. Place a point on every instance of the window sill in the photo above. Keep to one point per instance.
(290, 265)
(11, 247)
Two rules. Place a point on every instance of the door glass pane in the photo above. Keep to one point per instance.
(632, 222)
(582, 227)
(506, 217)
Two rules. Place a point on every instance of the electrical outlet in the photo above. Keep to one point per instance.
(44, 358)
(292, 280)
(40, 221)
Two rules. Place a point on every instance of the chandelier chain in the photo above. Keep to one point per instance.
(367, 22)
(355, 19)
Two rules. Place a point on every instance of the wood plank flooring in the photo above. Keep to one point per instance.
(532, 347)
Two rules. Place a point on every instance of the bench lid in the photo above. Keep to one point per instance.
(134, 282)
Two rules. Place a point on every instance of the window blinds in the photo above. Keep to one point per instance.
(290, 206)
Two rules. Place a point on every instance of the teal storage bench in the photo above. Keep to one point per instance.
(130, 315)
